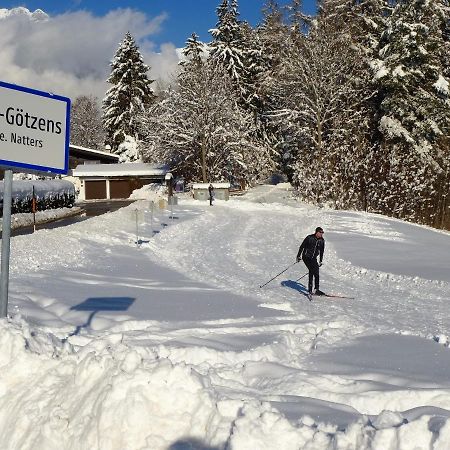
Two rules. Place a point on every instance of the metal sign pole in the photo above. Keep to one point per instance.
(33, 209)
(6, 238)
(151, 217)
(137, 229)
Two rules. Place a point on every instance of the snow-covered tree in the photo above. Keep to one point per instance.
(229, 47)
(415, 107)
(129, 96)
(194, 51)
(299, 21)
(319, 96)
(361, 23)
(201, 131)
(273, 35)
(129, 150)
(278, 37)
(86, 127)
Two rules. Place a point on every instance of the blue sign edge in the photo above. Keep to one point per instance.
(34, 168)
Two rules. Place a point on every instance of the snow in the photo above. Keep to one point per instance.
(20, 220)
(215, 185)
(441, 85)
(169, 343)
(42, 188)
(398, 71)
(93, 151)
(128, 150)
(122, 169)
(151, 192)
(393, 128)
(379, 69)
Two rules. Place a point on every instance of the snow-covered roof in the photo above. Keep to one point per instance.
(94, 152)
(124, 169)
(215, 185)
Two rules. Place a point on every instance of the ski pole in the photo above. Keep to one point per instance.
(278, 274)
(303, 276)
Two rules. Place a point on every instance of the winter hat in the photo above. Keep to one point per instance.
(319, 229)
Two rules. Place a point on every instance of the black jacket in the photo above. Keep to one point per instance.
(311, 248)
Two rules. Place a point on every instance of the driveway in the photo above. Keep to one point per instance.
(89, 209)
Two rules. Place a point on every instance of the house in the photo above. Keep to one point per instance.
(114, 181)
(83, 155)
(221, 191)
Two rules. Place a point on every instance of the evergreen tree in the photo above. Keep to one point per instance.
(129, 95)
(194, 51)
(280, 34)
(273, 35)
(360, 164)
(86, 127)
(415, 107)
(228, 48)
(299, 21)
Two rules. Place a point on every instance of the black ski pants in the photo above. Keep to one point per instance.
(313, 267)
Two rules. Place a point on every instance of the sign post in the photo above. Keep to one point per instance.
(152, 205)
(33, 209)
(6, 234)
(34, 137)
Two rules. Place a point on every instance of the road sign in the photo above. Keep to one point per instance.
(34, 136)
(34, 129)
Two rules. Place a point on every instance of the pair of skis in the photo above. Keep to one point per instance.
(310, 296)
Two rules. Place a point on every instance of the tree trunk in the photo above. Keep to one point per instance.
(204, 159)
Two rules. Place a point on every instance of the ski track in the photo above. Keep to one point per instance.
(230, 243)
(234, 251)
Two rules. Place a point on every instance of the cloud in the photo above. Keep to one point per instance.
(69, 54)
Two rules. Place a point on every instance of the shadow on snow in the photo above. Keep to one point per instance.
(190, 444)
(96, 304)
(295, 285)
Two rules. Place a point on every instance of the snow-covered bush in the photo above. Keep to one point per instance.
(49, 194)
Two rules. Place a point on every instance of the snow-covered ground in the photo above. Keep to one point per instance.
(172, 344)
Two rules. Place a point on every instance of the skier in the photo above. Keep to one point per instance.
(312, 246)
(211, 193)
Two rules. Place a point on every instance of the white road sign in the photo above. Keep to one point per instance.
(34, 129)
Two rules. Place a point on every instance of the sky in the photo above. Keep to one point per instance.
(171, 344)
(181, 17)
(70, 53)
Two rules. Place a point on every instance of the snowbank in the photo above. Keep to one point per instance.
(111, 396)
(20, 220)
(170, 344)
(151, 192)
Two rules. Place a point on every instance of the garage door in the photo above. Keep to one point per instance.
(95, 189)
(120, 188)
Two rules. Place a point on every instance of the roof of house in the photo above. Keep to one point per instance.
(124, 169)
(77, 150)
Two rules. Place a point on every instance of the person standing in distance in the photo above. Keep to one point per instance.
(211, 193)
(312, 247)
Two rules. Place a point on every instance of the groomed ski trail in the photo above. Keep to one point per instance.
(239, 245)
